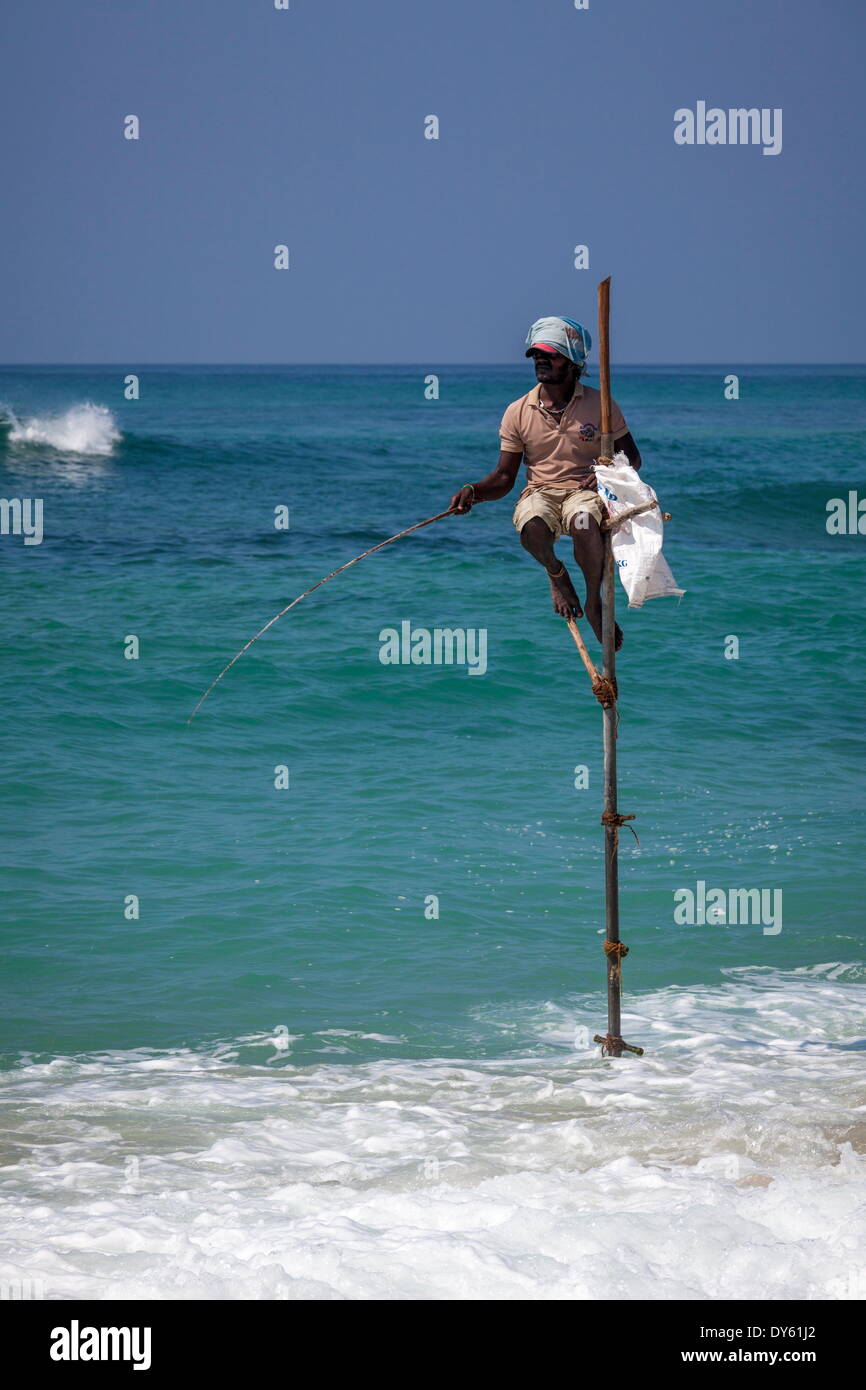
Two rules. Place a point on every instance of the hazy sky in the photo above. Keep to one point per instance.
(306, 127)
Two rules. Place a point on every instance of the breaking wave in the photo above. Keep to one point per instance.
(83, 429)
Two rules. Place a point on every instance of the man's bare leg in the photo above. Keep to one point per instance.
(537, 537)
(589, 554)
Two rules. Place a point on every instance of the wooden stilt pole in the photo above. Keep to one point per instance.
(612, 1044)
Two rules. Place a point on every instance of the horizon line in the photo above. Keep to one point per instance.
(421, 365)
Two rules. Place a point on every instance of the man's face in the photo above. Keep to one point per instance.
(551, 368)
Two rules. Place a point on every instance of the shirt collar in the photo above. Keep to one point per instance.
(535, 394)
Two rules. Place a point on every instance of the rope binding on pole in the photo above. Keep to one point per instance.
(613, 818)
(605, 691)
(612, 1047)
(615, 950)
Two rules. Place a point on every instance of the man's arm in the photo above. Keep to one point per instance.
(496, 484)
(629, 448)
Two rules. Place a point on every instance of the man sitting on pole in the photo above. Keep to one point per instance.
(555, 429)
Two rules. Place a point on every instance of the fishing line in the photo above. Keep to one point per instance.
(348, 565)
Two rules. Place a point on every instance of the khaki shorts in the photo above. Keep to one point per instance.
(558, 507)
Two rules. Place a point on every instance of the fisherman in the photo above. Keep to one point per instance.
(555, 429)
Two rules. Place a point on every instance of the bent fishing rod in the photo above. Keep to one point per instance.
(348, 565)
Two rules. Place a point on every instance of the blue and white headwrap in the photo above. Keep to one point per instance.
(561, 335)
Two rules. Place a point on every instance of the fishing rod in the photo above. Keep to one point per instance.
(348, 565)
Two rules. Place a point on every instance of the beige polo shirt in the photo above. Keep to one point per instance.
(559, 451)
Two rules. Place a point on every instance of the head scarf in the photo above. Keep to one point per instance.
(564, 335)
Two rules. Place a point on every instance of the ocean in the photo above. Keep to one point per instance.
(298, 999)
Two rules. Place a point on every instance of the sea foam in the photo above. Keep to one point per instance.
(726, 1163)
(83, 429)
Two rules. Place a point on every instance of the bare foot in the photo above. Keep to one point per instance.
(593, 617)
(565, 600)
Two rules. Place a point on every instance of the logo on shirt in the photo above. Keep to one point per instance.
(586, 432)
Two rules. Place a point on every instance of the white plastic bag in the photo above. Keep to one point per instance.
(637, 544)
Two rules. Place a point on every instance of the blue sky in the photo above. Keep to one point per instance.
(306, 127)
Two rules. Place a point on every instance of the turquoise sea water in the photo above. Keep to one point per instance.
(301, 912)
